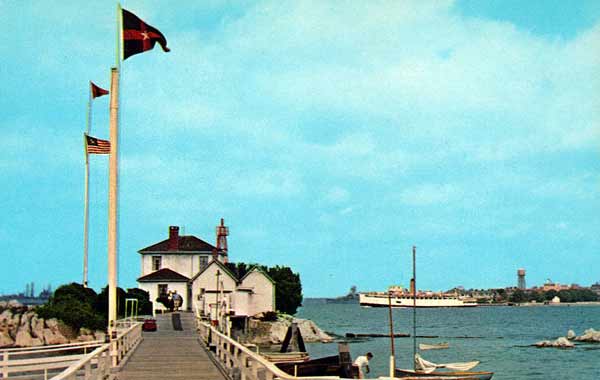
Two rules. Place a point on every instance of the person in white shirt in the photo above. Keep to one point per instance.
(362, 362)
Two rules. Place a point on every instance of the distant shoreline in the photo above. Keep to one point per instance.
(583, 303)
(524, 304)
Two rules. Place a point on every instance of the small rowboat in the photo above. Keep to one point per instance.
(430, 370)
(436, 346)
(444, 375)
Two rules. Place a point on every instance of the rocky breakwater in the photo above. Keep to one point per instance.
(273, 332)
(20, 326)
(589, 336)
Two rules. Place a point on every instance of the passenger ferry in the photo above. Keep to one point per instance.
(399, 297)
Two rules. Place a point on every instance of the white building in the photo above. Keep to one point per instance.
(197, 271)
(252, 294)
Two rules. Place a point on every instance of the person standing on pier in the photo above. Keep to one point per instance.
(362, 362)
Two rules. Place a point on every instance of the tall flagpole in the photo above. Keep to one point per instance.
(86, 193)
(113, 179)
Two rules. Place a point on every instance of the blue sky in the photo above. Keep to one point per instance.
(331, 136)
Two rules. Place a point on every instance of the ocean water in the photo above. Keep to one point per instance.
(500, 337)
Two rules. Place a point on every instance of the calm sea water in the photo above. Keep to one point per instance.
(501, 343)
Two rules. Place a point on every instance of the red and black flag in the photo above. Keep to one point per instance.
(97, 91)
(96, 146)
(139, 36)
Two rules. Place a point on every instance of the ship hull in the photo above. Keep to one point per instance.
(381, 300)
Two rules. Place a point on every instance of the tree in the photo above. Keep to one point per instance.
(143, 297)
(550, 294)
(536, 296)
(288, 289)
(101, 305)
(74, 305)
(517, 296)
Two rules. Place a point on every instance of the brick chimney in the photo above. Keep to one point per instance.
(173, 238)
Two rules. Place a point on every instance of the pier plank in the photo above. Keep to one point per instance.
(170, 354)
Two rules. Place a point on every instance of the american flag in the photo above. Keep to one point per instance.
(96, 146)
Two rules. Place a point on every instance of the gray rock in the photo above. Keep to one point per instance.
(53, 338)
(85, 331)
(37, 327)
(561, 342)
(85, 338)
(52, 324)
(589, 335)
(6, 316)
(6, 340)
(25, 320)
(23, 338)
(571, 335)
(274, 332)
(99, 335)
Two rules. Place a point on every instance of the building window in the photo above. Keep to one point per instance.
(156, 262)
(203, 262)
(163, 289)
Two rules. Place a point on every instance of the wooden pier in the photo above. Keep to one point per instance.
(170, 354)
(179, 349)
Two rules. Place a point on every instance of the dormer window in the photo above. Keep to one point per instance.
(156, 262)
(203, 262)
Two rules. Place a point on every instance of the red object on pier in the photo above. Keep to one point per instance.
(149, 325)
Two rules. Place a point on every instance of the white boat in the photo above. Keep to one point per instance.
(398, 297)
(435, 346)
(427, 369)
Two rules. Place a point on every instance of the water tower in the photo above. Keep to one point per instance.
(521, 279)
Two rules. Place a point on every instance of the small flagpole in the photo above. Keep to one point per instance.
(86, 192)
(86, 214)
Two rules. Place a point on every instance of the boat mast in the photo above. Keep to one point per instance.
(393, 354)
(414, 280)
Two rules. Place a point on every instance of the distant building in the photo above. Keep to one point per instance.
(196, 270)
(549, 285)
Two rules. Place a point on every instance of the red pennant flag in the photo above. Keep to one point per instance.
(97, 91)
(139, 37)
(96, 146)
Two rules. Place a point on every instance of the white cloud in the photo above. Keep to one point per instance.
(266, 183)
(337, 195)
(430, 194)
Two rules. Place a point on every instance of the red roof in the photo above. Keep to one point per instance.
(186, 244)
(164, 274)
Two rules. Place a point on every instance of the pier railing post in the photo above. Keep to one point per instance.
(4, 364)
(87, 375)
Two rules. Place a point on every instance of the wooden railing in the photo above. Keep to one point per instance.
(92, 359)
(40, 362)
(98, 364)
(233, 355)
